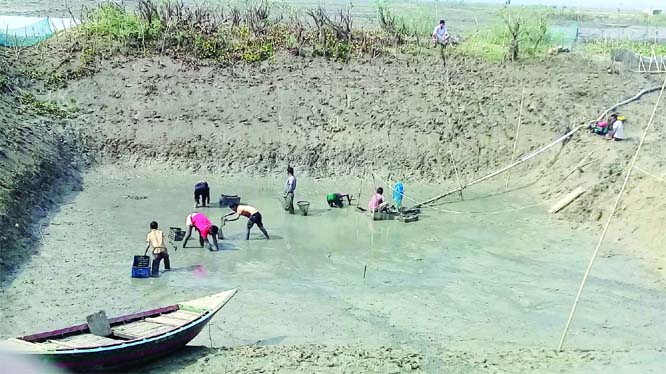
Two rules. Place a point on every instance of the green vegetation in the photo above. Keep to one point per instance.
(251, 31)
(29, 103)
(236, 34)
(606, 47)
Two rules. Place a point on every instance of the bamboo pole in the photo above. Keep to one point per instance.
(455, 169)
(515, 138)
(537, 152)
(610, 218)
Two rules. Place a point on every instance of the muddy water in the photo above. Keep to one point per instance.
(467, 282)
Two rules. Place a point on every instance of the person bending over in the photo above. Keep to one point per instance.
(205, 228)
(335, 199)
(201, 191)
(156, 240)
(251, 213)
(377, 203)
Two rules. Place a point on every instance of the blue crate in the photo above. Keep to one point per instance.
(141, 267)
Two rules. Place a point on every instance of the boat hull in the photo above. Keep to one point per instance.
(125, 356)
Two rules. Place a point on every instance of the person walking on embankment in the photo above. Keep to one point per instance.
(289, 189)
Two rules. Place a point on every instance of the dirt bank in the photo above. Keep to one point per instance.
(40, 159)
(408, 117)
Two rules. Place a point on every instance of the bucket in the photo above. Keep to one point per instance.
(228, 200)
(303, 206)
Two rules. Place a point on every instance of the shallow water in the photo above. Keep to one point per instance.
(468, 282)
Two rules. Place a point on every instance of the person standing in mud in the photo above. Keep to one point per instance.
(156, 240)
(205, 228)
(289, 189)
(201, 191)
(251, 213)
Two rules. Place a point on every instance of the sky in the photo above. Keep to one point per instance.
(612, 4)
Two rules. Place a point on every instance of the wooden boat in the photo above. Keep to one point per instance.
(135, 338)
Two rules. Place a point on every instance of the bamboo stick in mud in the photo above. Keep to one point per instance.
(515, 138)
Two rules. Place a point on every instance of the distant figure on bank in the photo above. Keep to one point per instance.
(377, 203)
(201, 191)
(398, 193)
(601, 127)
(289, 189)
(156, 240)
(335, 199)
(251, 213)
(617, 131)
(440, 36)
(205, 228)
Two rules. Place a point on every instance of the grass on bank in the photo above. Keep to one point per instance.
(254, 30)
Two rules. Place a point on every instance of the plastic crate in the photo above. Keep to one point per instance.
(176, 234)
(141, 267)
(228, 200)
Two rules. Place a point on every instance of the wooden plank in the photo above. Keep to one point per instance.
(21, 345)
(183, 315)
(140, 329)
(566, 200)
(87, 340)
(164, 320)
(60, 344)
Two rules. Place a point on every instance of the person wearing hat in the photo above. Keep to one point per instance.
(440, 35)
(617, 131)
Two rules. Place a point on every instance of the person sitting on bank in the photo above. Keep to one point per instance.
(201, 191)
(251, 213)
(205, 228)
(289, 189)
(335, 199)
(156, 240)
(377, 203)
(601, 127)
(440, 36)
(617, 131)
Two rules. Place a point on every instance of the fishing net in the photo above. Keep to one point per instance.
(565, 35)
(27, 35)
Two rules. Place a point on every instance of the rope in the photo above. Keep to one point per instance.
(610, 218)
(539, 151)
(388, 185)
(650, 174)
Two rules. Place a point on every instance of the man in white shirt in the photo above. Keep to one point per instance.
(617, 132)
(440, 35)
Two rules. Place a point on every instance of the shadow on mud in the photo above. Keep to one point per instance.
(27, 238)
